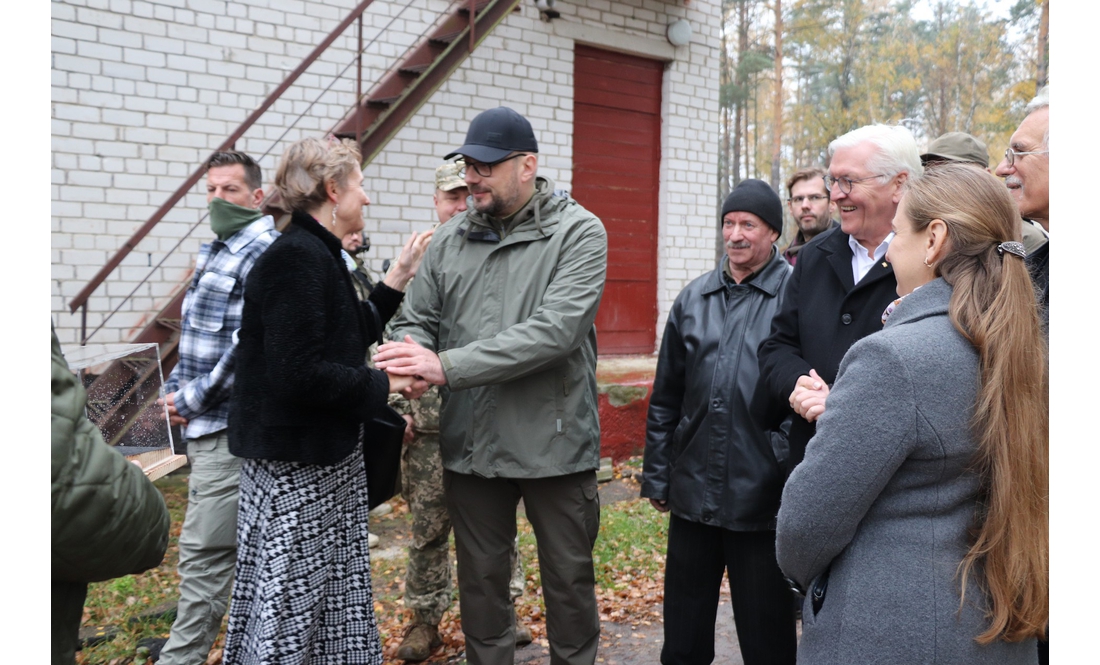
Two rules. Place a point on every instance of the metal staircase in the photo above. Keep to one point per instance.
(373, 121)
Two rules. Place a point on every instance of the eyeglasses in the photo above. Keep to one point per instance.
(482, 169)
(814, 198)
(845, 183)
(1010, 154)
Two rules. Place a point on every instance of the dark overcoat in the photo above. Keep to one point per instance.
(823, 313)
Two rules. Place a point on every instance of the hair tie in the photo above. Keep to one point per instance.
(1012, 247)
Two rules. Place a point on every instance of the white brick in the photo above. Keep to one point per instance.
(99, 18)
(99, 51)
(187, 63)
(168, 76)
(72, 63)
(164, 44)
(94, 131)
(126, 118)
(145, 26)
(75, 112)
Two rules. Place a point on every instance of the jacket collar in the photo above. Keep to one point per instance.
(932, 299)
(769, 279)
(834, 244)
(535, 220)
(245, 236)
(306, 222)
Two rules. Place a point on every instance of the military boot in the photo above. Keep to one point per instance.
(420, 641)
(523, 633)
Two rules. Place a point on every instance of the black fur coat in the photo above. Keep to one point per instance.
(301, 385)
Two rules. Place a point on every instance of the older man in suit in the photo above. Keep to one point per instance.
(841, 284)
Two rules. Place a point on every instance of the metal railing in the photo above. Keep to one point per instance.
(80, 301)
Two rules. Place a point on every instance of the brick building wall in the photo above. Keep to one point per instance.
(143, 90)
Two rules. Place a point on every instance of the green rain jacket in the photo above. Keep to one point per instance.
(511, 314)
(107, 519)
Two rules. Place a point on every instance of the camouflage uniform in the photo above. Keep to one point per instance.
(362, 278)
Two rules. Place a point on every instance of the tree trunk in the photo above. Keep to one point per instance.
(777, 117)
(724, 155)
(739, 115)
(1044, 47)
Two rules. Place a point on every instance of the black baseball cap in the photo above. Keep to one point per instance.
(495, 134)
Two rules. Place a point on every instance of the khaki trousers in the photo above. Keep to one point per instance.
(208, 550)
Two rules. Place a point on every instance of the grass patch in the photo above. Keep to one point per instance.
(632, 543)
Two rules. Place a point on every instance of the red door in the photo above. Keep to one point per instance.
(616, 165)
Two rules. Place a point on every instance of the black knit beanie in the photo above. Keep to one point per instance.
(757, 197)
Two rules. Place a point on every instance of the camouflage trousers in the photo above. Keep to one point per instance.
(428, 577)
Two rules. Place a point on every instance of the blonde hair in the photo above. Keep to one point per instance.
(306, 167)
(993, 305)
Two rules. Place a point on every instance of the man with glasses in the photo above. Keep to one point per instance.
(962, 148)
(501, 317)
(428, 577)
(841, 284)
(810, 207)
(1026, 170)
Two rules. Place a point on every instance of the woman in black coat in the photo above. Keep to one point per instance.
(301, 396)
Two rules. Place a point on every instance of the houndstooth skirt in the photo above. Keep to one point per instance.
(302, 594)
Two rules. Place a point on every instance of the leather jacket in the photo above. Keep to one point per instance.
(704, 452)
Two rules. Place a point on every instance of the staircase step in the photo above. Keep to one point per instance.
(481, 4)
(447, 38)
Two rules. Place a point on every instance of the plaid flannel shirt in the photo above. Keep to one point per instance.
(203, 377)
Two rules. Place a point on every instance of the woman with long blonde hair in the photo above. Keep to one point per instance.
(917, 523)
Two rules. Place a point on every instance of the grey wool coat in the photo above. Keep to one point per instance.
(884, 498)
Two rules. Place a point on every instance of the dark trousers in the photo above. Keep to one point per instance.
(565, 514)
(762, 608)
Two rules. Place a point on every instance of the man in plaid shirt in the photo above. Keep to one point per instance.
(198, 400)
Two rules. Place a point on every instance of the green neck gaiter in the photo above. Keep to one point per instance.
(227, 218)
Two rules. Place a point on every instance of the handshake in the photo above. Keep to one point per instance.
(411, 368)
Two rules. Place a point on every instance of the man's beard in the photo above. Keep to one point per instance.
(819, 225)
(497, 206)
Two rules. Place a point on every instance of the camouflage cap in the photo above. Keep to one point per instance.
(449, 176)
(957, 147)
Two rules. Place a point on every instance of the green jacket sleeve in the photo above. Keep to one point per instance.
(560, 325)
(108, 519)
(420, 312)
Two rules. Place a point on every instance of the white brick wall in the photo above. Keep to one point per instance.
(143, 89)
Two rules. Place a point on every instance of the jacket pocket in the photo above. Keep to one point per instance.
(211, 302)
(816, 595)
(559, 406)
(678, 433)
(591, 505)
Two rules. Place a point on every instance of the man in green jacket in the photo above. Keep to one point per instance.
(501, 317)
(107, 519)
(428, 588)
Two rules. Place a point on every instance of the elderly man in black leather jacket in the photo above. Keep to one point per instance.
(706, 459)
